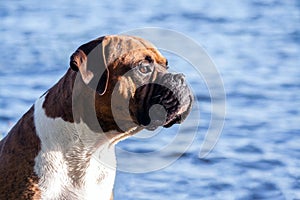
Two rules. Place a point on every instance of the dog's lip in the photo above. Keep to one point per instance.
(153, 125)
(173, 120)
(177, 116)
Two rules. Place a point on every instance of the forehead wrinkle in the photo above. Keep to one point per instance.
(158, 57)
(131, 50)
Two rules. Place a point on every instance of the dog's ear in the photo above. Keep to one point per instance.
(90, 61)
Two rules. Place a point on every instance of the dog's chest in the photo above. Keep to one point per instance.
(56, 181)
(65, 168)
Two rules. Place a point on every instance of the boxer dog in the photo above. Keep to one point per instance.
(63, 147)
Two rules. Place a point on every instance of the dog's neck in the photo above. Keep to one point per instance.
(76, 158)
(61, 155)
(73, 160)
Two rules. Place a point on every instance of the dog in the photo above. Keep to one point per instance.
(63, 146)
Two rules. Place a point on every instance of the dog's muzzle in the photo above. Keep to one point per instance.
(164, 102)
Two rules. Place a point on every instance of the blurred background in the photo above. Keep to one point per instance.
(255, 45)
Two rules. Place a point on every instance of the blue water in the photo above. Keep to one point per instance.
(256, 48)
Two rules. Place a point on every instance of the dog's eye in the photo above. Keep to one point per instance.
(144, 69)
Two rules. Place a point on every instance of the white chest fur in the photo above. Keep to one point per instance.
(62, 166)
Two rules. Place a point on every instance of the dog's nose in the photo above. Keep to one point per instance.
(179, 78)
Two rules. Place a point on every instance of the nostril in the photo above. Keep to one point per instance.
(179, 77)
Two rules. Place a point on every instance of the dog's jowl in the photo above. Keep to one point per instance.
(63, 147)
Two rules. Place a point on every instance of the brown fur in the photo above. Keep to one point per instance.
(58, 101)
(17, 152)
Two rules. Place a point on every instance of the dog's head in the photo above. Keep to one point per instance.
(132, 83)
